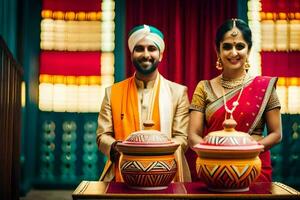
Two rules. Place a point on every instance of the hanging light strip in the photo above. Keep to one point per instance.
(70, 93)
(288, 90)
(254, 8)
(280, 31)
(70, 31)
(280, 36)
(107, 42)
(70, 80)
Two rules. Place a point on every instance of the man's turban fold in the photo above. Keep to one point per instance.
(144, 31)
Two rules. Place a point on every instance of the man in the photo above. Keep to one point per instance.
(144, 97)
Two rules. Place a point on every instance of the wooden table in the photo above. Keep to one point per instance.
(105, 190)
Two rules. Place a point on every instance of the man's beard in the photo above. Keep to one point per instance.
(145, 71)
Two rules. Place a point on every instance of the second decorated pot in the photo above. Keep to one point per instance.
(228, 160)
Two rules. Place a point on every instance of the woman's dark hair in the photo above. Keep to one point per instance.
(227, 26)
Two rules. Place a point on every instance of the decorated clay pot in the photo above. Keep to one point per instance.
(147, 160)
(228, 160)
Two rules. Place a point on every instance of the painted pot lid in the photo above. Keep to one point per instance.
(148, 137)
(229, 140)
(147, 142)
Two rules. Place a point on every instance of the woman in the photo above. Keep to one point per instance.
(251, 101)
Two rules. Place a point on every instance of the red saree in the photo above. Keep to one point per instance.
(248, 113)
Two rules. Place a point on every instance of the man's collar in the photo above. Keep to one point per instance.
(141, 84)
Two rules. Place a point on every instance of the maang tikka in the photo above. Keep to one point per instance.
(234, 32)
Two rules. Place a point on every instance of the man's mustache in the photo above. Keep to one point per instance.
(146, 59)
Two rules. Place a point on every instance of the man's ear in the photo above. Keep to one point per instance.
(160, 56)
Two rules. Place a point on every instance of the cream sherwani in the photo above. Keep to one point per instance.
(174, 120)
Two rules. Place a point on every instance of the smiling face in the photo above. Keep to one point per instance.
(234, 50)
(146, 56)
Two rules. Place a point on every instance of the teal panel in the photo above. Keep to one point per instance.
(67, 151)
(121, 36)
(8, 21)
(242, 10)
(29, 48)
(286, 155)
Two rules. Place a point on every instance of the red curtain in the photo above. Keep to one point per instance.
(189, 28)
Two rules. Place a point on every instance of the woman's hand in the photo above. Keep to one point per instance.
(273, 121)
(196, 126)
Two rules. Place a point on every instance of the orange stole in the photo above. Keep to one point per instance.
(125, 113)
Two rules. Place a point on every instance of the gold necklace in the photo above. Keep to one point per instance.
(231, 83)
(236, 102)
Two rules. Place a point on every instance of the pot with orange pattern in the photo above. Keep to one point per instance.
(228, 159)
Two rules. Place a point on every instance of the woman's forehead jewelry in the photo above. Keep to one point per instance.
(234, 22)
(234, 32)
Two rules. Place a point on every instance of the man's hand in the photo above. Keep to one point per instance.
(114, 153)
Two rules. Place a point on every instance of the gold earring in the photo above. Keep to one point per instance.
(246, 65)
(219, 64)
